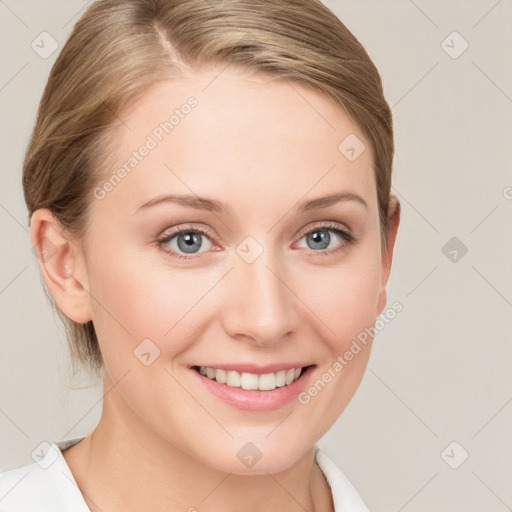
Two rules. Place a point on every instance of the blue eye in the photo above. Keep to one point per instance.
(185, 241)
(319, 238)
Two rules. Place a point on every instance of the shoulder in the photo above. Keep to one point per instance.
(344, 494)
(43, 486)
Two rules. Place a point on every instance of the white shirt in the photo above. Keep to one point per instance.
(49, 486)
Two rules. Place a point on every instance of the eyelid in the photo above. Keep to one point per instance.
(186, 227)
(327, 225)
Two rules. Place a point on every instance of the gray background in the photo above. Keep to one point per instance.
(440, 372)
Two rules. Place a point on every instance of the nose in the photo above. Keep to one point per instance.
(260, 304)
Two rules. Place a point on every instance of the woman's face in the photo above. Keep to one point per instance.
(244, 286)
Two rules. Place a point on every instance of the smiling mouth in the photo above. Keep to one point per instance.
(252, 381)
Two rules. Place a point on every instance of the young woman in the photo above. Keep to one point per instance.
(208, 186)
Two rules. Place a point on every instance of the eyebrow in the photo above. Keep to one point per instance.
(205, 203)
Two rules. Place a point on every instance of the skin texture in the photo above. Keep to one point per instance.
(163, 441)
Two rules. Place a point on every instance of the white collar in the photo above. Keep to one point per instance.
(48, 484)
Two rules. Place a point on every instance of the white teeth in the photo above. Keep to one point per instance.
(281, 378)
(220, 376)
(267, 381)
(233, 379)
(245, 380)
(249, 381)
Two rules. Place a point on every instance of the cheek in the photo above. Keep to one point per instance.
(136, 301)
(344, 298)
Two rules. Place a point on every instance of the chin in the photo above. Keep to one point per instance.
(256, 458)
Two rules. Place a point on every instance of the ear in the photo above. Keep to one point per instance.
(62, 266)
(387, 255)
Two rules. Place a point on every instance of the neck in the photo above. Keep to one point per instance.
(124, 465)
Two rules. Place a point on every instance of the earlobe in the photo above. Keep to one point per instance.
(62, 266)
(387, 256)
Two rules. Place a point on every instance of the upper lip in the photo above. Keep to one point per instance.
(254, 368)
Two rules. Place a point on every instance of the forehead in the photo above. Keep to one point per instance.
(220, 131)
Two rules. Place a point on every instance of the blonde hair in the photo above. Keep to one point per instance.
(119, 48)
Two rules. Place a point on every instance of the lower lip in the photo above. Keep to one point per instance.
(255, 399)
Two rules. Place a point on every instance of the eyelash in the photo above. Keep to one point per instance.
(348, 238)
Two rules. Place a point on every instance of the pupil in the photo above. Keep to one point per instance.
(321, 238)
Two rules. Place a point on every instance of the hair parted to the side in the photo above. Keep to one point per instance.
(119, 48)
